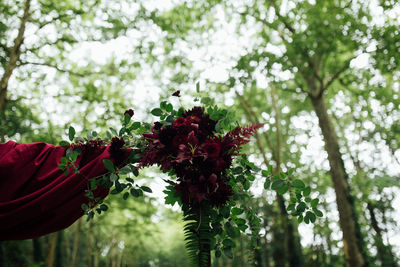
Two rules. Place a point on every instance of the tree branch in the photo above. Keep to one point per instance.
(15, 53)
(293, 31)
(5, 48)
(345, 66)
(252, 116)
(83, 74)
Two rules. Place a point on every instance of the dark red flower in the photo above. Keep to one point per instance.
(156, 126)
(116, 150)
(211, 149)
(177, 93)
(129, 112)
(178, 140)
(221, 195)
(193, 119)
(179, 122)
(196, 111)
(166, 135)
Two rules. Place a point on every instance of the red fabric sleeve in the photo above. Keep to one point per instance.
(35, 197)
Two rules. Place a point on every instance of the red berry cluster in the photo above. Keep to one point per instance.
(197, 155)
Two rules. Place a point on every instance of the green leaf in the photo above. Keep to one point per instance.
(157, 112)
(276, 185)
(307, 219)
(228, 253)
(318, 212)
(246, 185)
(198, 87)
(267, 184)
(237, 211)
(301, 207)
(124, 170)
(90, 216)
(270, 169)
(311, 216)
(170, 119)
(125, 196)
(224, 211)
(103, 207)
(314, 202)
(283, 189)
(71, 133)
(113, 131)
(206, 100)
(113, 177)
(218, 253)
(109, 165)
(64, 143)
(251, 177)
(240, 221)
(298, 183)
(237, 170)
(84, 207)
(127, 118)
(306, 191)
(135, 126)
(169, 107)
(114, 192)
(135, 192)
(230, 230)
(290, 207)
(228, 243)
(300, 219)
(146, 189)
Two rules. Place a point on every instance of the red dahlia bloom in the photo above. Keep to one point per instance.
(179, 122)
(179, 139)
(211, 149)
(129, 112)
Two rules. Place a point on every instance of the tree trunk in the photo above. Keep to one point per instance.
(77, 238)
(384, 252)
(291, 244)
(351, 235)
(38, 256)
(2, 256)
(15, 53)
(60, 260)
(89, 245)
(51, 250)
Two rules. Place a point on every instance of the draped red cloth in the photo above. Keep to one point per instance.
(35, 197)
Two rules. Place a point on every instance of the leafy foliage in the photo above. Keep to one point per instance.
(208, 225)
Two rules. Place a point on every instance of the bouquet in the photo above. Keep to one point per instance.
(209, 176)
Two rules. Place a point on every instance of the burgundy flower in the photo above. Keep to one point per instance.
(193, 119)
(196, 194)
(166, 135)
(221, 195)
(212, 182)
(156, 126)
(129, 112)
(116, 150)
(192, 139)
(196, 154)
(211, 149)
(177, 93)
(196, 111)
(178, 140)
(179, 122)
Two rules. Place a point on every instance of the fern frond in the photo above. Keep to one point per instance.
(197, 232)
